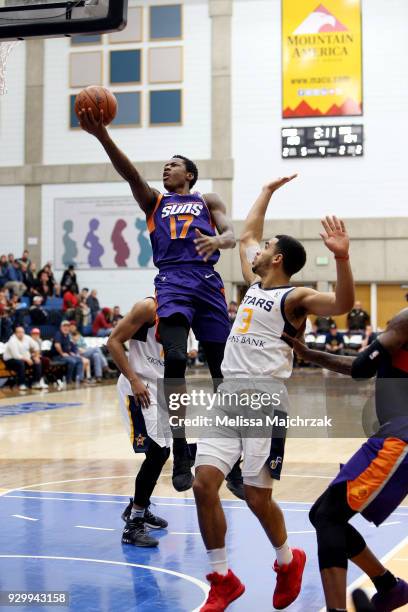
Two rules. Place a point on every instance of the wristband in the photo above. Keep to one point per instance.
(344, 258)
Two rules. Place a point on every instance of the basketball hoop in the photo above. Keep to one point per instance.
(5, 50)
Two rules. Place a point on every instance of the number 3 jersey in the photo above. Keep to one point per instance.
(254, 347)
(172, 227)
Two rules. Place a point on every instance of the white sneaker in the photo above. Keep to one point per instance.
(36, 385)
(22, 387)
(43, 384)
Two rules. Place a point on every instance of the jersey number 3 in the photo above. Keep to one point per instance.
(188, 219)
(246, 320)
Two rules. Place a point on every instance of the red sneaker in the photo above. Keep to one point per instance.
(289, 580)
(224, 590)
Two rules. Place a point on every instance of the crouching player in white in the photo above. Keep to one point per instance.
(255, 350)
(149, 432)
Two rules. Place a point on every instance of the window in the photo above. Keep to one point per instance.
(125, 66)
(166, 65)
(134, 29)
(85, 69)
(165, 107)
(86, 39)
(128, 109)
(165, 22)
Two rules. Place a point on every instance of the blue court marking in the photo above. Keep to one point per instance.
(59, 552)
(28, 407)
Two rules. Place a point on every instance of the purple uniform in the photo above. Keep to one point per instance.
(185, 283)
(377, 475)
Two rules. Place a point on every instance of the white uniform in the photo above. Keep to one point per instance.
(255, 351)
(146, 361)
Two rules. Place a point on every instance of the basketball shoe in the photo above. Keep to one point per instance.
(135, 533)
(392, 599)
(289, 580)
(224, 590)
(151, 520)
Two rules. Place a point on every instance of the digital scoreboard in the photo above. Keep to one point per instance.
(323, 141)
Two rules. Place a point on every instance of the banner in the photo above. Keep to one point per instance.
(100, 233)
(321, 58)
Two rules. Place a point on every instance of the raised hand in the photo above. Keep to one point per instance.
(90, 124)
(335, 236)
(278, 183)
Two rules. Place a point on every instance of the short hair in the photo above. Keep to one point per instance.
(190, 167)
(294, 254)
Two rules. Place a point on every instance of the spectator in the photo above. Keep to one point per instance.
(84, 293)
(4, 297)
(43, 286)
(20, 353)
(93, 304)
(38, 314)
(3, 270)
(14, 277)
(357, 319)
(323, 324)
(94, 355)
(65, 352)
(117, 316)
(10, 258)
(102, 326)
(69, 281)
(369, 337)
(70, 302)
(48, 269)
(334, 341)
(29, 278)
(25, 258)
(84, 315)
(6, 325)
(45, 361)
(232, 311)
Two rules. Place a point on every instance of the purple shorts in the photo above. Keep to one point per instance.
(377, 478)
(198, 293)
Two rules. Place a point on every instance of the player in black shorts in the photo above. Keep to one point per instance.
(374, 481)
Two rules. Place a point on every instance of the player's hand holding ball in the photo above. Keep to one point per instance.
(95, 107)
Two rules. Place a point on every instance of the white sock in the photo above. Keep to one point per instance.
(217, 558)
(137, 513)
(284, 554)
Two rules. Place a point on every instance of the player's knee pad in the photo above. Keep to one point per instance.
(175, 362)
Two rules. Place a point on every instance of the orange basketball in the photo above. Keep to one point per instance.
(97, 98)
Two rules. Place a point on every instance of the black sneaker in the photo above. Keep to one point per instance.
(135, 533)
(153, 521)
(235, 482)
(182, 476)
(126, 513)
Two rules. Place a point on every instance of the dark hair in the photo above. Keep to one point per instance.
(294, 254)
(190, 167)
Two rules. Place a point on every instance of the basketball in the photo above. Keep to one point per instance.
(97, 98)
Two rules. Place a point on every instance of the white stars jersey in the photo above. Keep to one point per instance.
(254, 347)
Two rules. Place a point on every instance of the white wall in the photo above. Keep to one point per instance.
(115, 287)
(374, 186)
(12, 110)
(12, 220)
(62, 145)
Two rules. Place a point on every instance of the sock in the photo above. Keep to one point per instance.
(385, 583)
(218, 560)
(284, 554)
(137, 513)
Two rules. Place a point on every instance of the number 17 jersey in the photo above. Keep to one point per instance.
(172, 227)
(255, 347)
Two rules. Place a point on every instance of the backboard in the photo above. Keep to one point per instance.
(21, 19)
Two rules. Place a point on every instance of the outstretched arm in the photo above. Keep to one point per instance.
(337, 241)
(206, 245)
(144, 195)
(252, 233)
(335, 363)
(143, 312)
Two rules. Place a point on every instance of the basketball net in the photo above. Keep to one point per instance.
(5, 50)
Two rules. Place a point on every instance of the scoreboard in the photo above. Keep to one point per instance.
(323, 141)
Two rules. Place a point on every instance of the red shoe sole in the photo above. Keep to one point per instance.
(299, 587)
(239, 591)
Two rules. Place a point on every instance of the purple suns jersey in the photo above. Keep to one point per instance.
(172, 228)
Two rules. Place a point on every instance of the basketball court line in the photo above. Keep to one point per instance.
(204, 587)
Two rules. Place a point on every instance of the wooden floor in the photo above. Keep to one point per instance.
(84, 448)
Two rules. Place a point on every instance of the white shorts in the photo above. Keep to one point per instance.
(154, 421)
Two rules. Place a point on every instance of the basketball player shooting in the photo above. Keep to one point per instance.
(374, 482)
(186, 246)
(255, 350)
